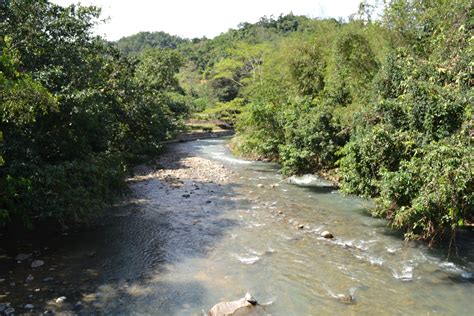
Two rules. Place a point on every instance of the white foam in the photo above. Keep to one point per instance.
(391, 250)
(406, 273)
(248, 260)
(451, 267)
(309, 180)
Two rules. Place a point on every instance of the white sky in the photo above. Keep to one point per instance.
(197, 18)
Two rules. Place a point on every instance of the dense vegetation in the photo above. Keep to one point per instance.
(74, 113)
(383, 105)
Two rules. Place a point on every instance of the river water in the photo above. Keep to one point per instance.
(164, 252)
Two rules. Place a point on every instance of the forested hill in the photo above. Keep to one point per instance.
(136, 43)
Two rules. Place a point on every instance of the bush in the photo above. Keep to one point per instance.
(69, 192)
(311, 139)
(433, 192)
(370, 152)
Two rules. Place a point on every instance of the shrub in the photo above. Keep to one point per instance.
(433, 192)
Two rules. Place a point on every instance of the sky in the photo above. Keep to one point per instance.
(198, 18)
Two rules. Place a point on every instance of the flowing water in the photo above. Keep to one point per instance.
(170, 254)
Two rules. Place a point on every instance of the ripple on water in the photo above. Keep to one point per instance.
(404, 274)
(248, 260)
(453, 268)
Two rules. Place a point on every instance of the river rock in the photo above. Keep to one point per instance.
(61, 299)
(346, 299)
(22, 256)
(244, 307)
(327, 234)
(29, 306)
(260, 185)
(9, 311)
(300, 226)
(3, 307)
(37, 263)
(30, 278)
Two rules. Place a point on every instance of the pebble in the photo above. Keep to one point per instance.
(300, 226)
(2, 307)
(2, 280)
(30, 278)
(260, 185)
(29, 306)
(61, 299)
(327, 234)
(37, 263)
(48, 279)
(9, 311)
(347, 299)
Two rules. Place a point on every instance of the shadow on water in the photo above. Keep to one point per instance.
(113, 266)
(319, 189)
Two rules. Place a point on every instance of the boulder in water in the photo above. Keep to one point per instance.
(246, 306)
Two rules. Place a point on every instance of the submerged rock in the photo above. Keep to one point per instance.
(346, 299)
(327, 234)
(244, 307)
(22, 256)
(37, 263)
(30, 278)
(29, 306)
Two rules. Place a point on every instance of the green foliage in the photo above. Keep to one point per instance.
(135, 44)
(411, 149)
(74, 112)
(432, 193)
(370, 152)
(387, 100)
(263, 131)
(311, 139)
(227, 112)
(307, 68)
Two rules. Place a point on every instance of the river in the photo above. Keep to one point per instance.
(192, 237)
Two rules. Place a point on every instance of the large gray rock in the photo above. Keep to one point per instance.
(246, 306)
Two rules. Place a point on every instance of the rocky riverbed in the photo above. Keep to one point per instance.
(56, 273)
(201, 227)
